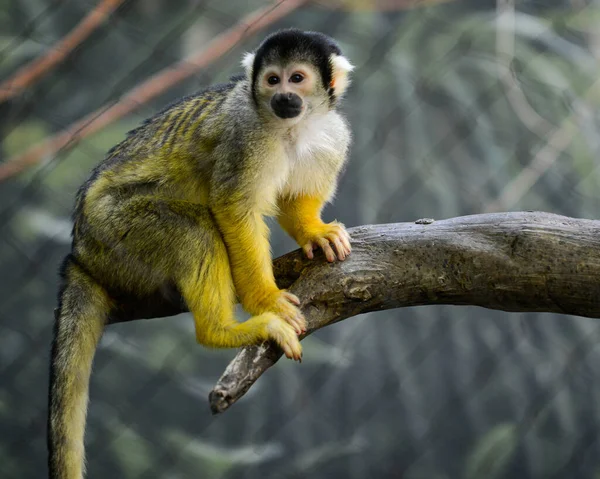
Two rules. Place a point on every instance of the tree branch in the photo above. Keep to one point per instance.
(506, 261)
(38, 67)
(525, 261)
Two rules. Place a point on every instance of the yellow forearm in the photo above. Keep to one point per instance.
(247, 239)
(300, 216)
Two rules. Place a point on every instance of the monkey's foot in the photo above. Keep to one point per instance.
(332, 233)
(285, 336)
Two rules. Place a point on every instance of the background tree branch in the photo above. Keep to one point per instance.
(33, 71)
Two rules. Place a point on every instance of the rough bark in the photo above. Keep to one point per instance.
(527, 261)
(506, 261)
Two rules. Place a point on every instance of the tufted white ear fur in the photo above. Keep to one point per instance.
(247, 62)
(341, 69)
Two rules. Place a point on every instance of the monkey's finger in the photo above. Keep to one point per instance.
(292, 298)
(297, 324)
(339, 248)
(326, 247)
(291, 348)
(297, 351)
(292, 316)
(308, 250)
(287, 351)
(300, 321)
(345, 239)
(341, 229)
(343, 235)
(348, 248)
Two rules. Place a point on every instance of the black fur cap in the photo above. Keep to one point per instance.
(293, 44)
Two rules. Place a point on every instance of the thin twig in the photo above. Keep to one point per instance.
(34, 70)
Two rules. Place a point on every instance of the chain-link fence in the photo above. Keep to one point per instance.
(456, 108)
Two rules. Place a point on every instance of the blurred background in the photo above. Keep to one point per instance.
(457, 107)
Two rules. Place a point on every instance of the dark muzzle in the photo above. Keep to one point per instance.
(286, 105)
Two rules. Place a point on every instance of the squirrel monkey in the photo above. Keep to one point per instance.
(181, 202)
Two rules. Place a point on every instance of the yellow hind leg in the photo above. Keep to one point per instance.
(153, 240)
(208, 290)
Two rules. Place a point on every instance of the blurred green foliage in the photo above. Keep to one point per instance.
(415, 393)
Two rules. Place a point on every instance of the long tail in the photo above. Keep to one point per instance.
(82, 314)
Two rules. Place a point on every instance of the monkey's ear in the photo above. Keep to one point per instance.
(340, 74)
(247, 62)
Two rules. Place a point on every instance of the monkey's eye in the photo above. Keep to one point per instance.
(273, 80)
(296, 78)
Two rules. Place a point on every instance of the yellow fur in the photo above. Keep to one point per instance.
(181, 203)
(300, 217)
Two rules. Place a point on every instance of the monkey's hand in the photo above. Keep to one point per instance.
(282, 319)
(285, 337)
(279, 302)
(285, 305)
(323, 236)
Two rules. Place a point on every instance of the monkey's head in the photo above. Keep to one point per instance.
(293, 74)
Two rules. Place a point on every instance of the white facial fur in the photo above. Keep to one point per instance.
(341, 68)
(315, 151)
(247, 61)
